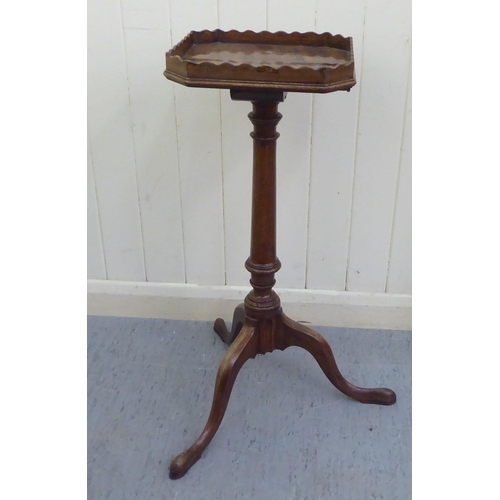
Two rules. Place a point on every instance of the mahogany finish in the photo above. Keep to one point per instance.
(295, 62)
(259, 325)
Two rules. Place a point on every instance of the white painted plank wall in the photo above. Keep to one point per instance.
(237, 150)
(200, 156)
(111, 141)
(385, 70)
(172, 165)
(399, 274)
(293, 155)
(335, 119)
(95, 253)
(146, 30)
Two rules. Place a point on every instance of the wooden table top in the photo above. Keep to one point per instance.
(293, 62)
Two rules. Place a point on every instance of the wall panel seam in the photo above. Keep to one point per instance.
(222, 172)
(313, 100)
(360, 66)
(92, 173)
(177, 152)
(399, 173)
(309, 189)
(127, 69)
(222, 187)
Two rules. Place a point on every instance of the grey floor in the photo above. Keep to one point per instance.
(288, 434)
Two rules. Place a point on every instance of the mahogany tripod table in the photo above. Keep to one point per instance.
(262, 68)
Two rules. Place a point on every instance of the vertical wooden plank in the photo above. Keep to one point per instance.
(248, 15)
(96, 268)
(293, 156)
(199, 149)
(147, 37)
(383, 92)
(237, 150)
(111, 141)
(237, 165)
(399, 274)
(332, 157)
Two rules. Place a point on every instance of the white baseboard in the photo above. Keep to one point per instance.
(205, 303)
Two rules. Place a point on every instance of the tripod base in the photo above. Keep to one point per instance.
(250, 337)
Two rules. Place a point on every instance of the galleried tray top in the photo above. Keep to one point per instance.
(294, 62)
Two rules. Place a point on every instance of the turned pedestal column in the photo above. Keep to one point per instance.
(259, 325)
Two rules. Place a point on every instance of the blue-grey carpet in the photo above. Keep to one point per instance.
(288, 434)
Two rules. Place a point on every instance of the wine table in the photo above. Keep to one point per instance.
(262, 68)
